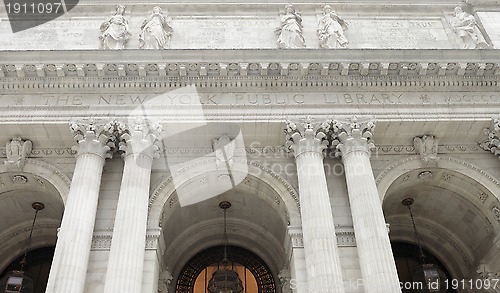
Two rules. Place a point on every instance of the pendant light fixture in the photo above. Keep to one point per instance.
(429, 275)
(225, 279)
(17, 281)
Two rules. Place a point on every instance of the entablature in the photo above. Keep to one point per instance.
(223, 67)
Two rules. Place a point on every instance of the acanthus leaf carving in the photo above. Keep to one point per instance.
(96, 137)
(140, 136)
(352, 135)
(308, 136)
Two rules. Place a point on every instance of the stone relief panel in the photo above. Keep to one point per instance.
(315, 27)
(390, 33)
(290, 31)
(156, 30)
(331, 30)
(115, 31)
(466, 28)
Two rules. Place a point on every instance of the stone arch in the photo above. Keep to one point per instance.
(400, 167)
(54, 176)
(53, 186)
(453, 247)
(163, 194)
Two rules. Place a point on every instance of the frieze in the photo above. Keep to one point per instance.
(207, 98)
(277, 151)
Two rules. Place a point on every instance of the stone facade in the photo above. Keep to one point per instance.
(313, 120)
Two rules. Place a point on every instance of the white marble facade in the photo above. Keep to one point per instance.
(131, 121)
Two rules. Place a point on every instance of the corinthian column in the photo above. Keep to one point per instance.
(352, 141)
(69, 266)
(320, 242)
(126, 258)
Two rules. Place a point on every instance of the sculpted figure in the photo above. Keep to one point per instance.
(156, 30)
(164, 281)
(114, 31)
(17, 151)
(290, 30)
(465, 25)
(331, 30)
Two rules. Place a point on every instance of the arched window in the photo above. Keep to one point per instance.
(252, 271)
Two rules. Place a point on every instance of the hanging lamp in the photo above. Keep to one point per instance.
(225, 279)
(430, 276)
(17, 281)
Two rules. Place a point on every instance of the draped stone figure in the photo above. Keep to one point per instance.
(290, 30)
(331, 30)
(465, 26)
(115, 32)
(156, 30)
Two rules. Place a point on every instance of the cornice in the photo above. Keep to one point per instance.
(132, 68)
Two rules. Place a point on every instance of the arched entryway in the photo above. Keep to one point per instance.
(263, 208)
(255, 275)
(19, 189)
(452, 211)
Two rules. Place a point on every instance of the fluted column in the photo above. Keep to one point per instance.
(126, 258)
(320, 242)
(352, 141)
(69, 266)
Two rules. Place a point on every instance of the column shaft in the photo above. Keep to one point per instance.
(324, 273)
(320, 241)
(69, 266)
(353, 142)
(374, 247)
(126, 258)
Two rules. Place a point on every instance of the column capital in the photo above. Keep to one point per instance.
(492, 142)
(307, 136)
(352, 135)
(140, 136)
(94, 137)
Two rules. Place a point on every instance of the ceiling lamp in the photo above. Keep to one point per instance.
(17, 281)
(429, 276)
(225, 280)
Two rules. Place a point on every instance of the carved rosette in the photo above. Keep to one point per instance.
(353, 135)
(17, 150)
(307, 136)
(492, 143)
(140, 137)
(94, 137)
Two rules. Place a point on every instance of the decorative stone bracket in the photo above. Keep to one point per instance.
(492, 143)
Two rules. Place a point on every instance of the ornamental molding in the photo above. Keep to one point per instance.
(244, 69)
(271, 152)
(209, 66)
(492, 142)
